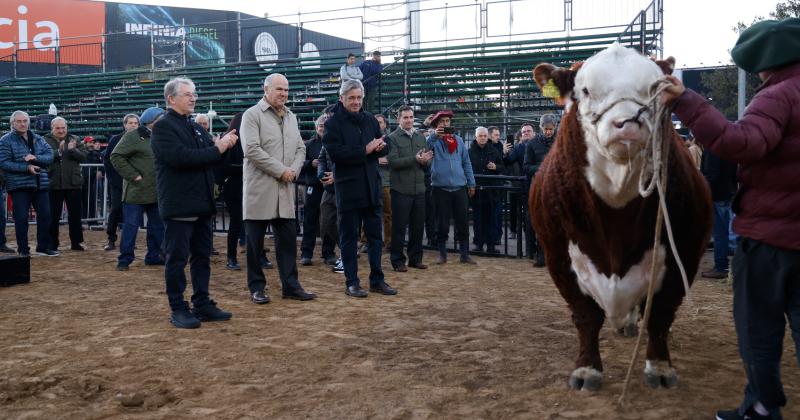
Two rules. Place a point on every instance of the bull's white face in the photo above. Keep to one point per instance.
(611, 89)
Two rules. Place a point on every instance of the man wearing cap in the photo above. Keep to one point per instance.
(371, 70)
(765, 143)
(185, 156)
(134, 160)
(129, 122)
(354, 142)
(453, 185)
(65, 181)
(24, 158)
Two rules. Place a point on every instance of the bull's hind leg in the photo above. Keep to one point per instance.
(658, 371)
(588, 319)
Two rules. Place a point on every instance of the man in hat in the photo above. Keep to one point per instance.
(371, 70)
(134, 160)
(766, 144)
(453, 185)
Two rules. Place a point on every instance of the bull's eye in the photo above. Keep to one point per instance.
(585, 91)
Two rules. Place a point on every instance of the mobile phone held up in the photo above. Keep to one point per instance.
(448, 130)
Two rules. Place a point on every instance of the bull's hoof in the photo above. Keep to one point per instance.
(586, 379)
(629, 330)
(658, 373)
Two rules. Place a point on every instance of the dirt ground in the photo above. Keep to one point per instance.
(492, 341)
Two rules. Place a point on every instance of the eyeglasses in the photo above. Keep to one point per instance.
(188, 95)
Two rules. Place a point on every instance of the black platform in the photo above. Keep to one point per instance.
(14, 270)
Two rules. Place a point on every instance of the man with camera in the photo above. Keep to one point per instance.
(453, 185)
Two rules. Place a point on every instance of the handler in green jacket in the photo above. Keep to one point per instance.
(66, 181)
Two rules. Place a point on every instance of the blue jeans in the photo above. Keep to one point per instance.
(131, 214)
(22, 200)
(719, 232)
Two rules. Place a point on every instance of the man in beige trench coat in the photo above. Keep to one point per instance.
(273, 155)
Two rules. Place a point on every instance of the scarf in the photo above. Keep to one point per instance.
(450, 142)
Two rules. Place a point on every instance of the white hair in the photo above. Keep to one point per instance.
(349, 85)
(58, 119)
(171, 88)
(269, 79)
(481, 129)
(201, 116)
(320, 120)
(14, 115)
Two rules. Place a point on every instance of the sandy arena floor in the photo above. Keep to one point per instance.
(492, 341)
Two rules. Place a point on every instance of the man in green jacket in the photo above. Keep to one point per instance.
(133, 158)
(408, 159)
(66, 181)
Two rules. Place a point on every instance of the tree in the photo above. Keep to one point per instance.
(722, 85)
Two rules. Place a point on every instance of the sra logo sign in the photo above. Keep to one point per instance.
(42, 34)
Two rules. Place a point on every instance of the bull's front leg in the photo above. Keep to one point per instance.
(658, 371)
(588, 318)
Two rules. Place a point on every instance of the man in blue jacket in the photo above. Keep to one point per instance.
(354, 143)
(453, 185)
(371, 69)
(24, 158)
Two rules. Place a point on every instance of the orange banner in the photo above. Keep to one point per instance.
(38, 27)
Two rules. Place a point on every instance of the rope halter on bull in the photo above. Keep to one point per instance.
(654, 178)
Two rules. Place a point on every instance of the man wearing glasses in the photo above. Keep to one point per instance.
(185, 155)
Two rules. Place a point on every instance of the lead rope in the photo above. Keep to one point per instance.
(655, 168)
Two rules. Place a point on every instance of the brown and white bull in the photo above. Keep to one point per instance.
(597, 232)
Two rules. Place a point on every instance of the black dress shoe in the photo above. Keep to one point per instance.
(419, 266)
(467, 260)
(299, 294)
(259, 298)
(4, 247)
(383, 289)
(77, 247)
(110, 246)
(233, 265)
(355, 291)
(305, 261)
(210, 313)
(492, 250)
(400, 269)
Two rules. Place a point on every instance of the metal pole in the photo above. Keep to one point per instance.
(742, 81)
(239, 33)
(103, 53)
(152, 52)
(405, 77)
(58, 60)
(15, 63)
(642, 33)
(183, 43)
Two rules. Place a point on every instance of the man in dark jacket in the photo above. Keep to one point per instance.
(133, 159)
(721, 177)
(185, 155)
(313, 197)
(485, 160)
(371, 71)
(765, 142)
(24, 158)
(353, 140)
(328, 225)
(408, 159)
(66, 182)
(114, 181)
(535, 151)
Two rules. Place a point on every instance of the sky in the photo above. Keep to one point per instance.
(697, 33)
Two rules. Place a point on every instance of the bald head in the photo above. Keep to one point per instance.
(276, 90)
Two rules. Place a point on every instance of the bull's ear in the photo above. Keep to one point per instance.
(667, 66)
(555, 82)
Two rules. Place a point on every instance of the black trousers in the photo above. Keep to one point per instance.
(187, 241)
(328, 224)
(311, 222)
(285, 253)
(232, 195)
(453, 204)
(766, 292)
(73, 200)
(484, 216)
(115, 213)
(350, 222)
(430, 216)
(408, 213)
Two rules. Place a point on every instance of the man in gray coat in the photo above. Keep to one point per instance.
(274, 152)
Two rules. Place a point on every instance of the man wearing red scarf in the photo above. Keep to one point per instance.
(453, 184)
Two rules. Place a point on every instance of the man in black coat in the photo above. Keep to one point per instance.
(486, 160)
(185, 156)
(130, 122)
(313, 198)
(535, 151)
(354, 143)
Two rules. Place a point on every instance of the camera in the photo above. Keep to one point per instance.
(448, 130)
